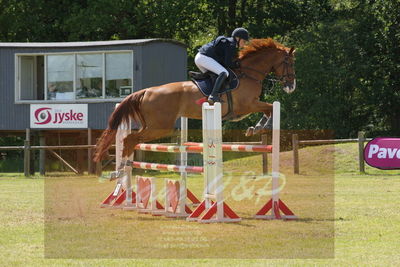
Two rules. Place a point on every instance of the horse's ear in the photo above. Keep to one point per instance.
(292, 51)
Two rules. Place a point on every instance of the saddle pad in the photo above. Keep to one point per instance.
(206, 85)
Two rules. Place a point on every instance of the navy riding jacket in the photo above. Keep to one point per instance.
(223, 50)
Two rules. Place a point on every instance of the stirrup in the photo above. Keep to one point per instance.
(213, 99)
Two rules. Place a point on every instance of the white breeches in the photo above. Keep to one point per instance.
(205, 63)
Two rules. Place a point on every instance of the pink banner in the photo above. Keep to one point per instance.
(383, 153)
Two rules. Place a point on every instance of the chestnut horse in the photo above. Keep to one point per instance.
(158, 108)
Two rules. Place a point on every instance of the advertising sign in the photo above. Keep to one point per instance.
(383, 153)
(59, 116)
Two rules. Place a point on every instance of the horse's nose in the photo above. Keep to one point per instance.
(290, 87)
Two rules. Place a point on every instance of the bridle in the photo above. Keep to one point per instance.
(282, 79)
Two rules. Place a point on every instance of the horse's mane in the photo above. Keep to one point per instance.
(256, 45)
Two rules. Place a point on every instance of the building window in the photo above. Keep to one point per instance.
(89, 76)
(31, 77)
(60, 77)
(118, 75)
(74, 76)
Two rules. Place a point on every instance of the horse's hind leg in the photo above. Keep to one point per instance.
(144, 135)
(158, 114)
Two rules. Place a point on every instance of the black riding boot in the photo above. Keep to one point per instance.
(217, 86)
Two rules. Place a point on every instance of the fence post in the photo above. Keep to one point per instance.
(264, 139)
(361, 140)
(295, 144)
(99, 169)
(42, 154)
(90, 152)
(27, 153)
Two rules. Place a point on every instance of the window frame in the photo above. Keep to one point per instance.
(17, 75)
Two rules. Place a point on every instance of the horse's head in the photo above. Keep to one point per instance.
(284, 69)
(262, 56)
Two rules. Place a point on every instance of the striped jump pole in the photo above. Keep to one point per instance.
(275, 205)
(166, 167)
(198, 148)
(169, 149)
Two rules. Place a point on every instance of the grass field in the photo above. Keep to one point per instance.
(345, 219)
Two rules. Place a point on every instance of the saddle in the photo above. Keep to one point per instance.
(205, 81)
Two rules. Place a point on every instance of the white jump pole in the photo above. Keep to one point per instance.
(276, 137)
(184, 158)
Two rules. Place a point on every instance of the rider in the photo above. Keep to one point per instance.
(219, 54)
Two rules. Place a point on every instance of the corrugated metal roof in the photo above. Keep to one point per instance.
(91, 43)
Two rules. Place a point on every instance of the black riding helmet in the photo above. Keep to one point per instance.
(242, 33)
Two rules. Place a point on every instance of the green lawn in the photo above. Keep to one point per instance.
(345, 219)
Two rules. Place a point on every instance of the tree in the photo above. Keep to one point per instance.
(348, 72)
(347, 66)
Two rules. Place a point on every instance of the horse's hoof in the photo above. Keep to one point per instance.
(268, 124)
(250, 131)
(116, 175)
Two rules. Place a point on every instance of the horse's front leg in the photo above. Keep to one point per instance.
(265, 123)
(125, 162)
(261, 124)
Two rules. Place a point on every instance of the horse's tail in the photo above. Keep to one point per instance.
(129, 108)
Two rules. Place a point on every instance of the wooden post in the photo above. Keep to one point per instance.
(99, 169)
(90, 152)
(361, 140)
(264, 141)
(32, 155)
(27, 153)
(99, 164)
(295, 144)
(80, 154)
(42, 154)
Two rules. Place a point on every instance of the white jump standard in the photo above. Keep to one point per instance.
(213, 208)
(123, 195)
(275, 204)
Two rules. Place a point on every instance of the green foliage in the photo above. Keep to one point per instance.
(347, 61)
(348, 73)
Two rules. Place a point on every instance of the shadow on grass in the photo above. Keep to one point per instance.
(297, 220)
